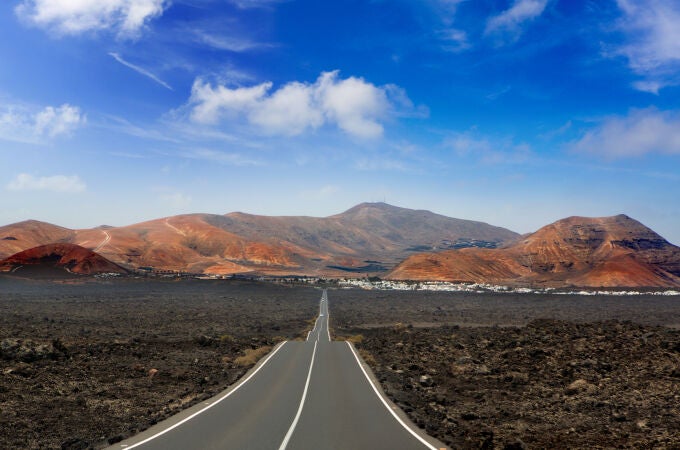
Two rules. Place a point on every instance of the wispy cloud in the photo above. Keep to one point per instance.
(509, 25)
(56, 183)
(231, 159)
(488, 150)
(381, 164)
(228, 43)
(247, 4)
(652, 47)
(121, 125)
(323, 192)
(641, 132)
(498, 93)
(139, 70)
(19, 124)
(176, 200)
(69, 17)
(454, 40)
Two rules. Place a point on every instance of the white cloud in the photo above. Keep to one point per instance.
(20, 125)
(642, 131)
(73, 17)
(352, 104)
(139, 70)
(57, 121)
(652, 28)
(57, 183)
(509, 24)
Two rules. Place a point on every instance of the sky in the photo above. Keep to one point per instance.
(513, 112)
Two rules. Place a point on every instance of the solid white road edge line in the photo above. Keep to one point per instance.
(403, 424)
(328, 330)
(213, 404)
(286, 439)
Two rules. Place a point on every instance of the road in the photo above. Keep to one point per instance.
(315, 394)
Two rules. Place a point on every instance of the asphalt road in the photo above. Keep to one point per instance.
(315, 394)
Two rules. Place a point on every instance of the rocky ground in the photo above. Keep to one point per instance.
(489, 372)
(85, 364)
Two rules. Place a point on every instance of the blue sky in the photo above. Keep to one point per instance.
(513, 112)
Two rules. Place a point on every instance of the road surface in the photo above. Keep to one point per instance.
(315, 394)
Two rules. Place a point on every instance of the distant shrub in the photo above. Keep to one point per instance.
(356, 339)
(251, 356)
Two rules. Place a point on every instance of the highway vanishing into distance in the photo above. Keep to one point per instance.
(317, 394)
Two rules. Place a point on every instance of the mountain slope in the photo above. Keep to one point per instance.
(368, 238)
(31, 233)
(69, 257)
(579, 251)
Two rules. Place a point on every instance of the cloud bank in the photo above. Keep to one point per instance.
(72, 17)
(354, 105)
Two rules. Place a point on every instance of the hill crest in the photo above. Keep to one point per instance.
(580, 251)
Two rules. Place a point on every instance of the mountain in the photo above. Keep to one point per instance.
(31, 233)
(590, 252)
(67, 257)
(369, 238)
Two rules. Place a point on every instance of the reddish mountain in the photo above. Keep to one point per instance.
(31, 233)
(69, 257)
(368, 238)
(590, 252)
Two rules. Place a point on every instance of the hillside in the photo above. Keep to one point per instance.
(63, 257)
(369, 238)
(590, 252)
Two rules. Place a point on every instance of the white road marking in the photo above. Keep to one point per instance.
(328, 330)
(403, 424)
(286, 439)
(16, 268)
(216, 401)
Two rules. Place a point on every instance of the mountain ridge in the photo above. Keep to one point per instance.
(247, 243)
(580, 251)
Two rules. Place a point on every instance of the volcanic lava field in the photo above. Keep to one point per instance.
(86, 362)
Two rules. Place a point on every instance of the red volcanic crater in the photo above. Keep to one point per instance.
(69, 257)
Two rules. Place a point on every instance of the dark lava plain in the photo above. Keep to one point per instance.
(87, 362)
(512, 371)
